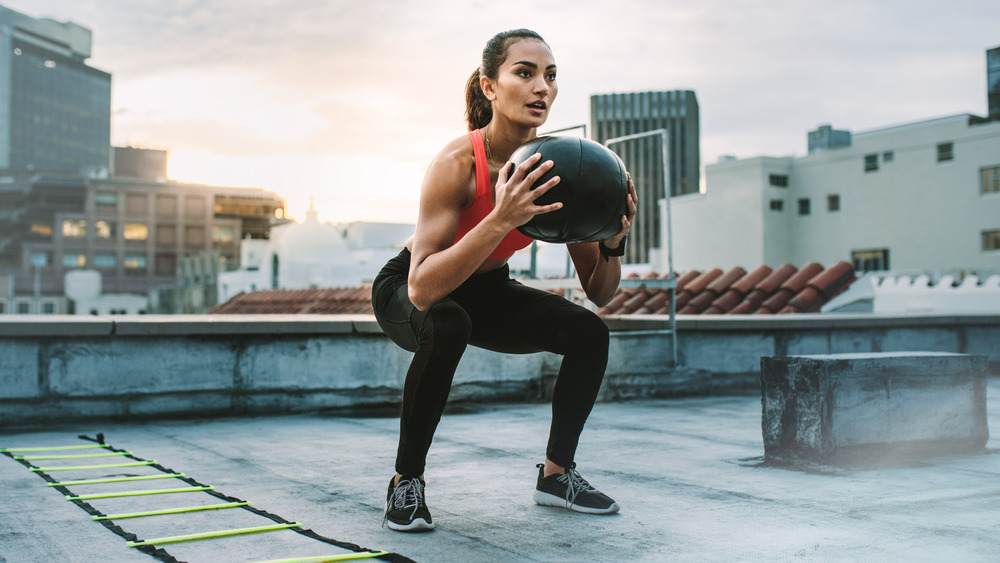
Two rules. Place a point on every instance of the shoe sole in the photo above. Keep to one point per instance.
(418, 525)
(546, 499)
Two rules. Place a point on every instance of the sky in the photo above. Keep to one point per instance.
(347, 101)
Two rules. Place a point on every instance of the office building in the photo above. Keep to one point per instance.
(618, 115)
(993, 81)
(55, 110)
(134, 231)
(919, 197)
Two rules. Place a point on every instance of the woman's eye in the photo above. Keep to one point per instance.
(552, 76)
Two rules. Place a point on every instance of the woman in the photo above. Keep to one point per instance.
(450, 286)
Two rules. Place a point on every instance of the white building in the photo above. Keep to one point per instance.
(312, 254)
(922, 196)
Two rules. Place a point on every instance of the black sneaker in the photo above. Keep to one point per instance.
(572, 491)
(405, 509)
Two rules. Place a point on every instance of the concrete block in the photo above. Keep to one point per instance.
(19, 369)
(870, 407)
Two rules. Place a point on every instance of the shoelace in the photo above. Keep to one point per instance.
(575, 484)
(406, 494)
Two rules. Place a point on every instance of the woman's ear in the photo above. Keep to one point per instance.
(487, 86)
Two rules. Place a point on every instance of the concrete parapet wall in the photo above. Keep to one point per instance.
(61, 368)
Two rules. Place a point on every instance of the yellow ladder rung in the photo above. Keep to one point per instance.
(116, 479)
(139, 493)
(82, 467)
(213, 535)
(172, 511)
(329, 558)
(52, 449)
(29, 457)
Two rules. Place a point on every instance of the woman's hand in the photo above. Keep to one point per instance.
(514, 202)
(633, 205)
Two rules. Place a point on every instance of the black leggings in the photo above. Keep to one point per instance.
(497, 313)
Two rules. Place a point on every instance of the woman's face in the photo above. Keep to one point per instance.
(525, 86)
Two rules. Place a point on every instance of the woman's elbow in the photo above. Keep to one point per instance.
(419, 298)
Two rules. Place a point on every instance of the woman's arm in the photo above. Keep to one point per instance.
(600, 277)
(439, 264)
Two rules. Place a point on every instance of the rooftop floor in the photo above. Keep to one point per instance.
(687, 472)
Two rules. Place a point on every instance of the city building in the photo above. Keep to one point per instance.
(55, 110)
(993, 81)
(134, 231)
(921, 196)
(619, 115)
(314, 254)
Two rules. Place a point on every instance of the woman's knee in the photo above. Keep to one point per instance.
(446, 322)
(584, 329)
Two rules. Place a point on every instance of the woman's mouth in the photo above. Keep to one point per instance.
(538, 106)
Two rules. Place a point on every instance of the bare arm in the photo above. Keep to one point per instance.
(439, 264)
(600, 277)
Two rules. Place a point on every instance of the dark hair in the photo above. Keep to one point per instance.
(478, 109)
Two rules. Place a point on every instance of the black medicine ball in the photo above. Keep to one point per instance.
(593, 189)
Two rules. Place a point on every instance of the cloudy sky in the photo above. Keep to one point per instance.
(348, 100)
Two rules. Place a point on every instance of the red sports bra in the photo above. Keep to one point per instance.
(481, 206)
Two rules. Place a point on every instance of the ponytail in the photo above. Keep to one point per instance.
(478, 109)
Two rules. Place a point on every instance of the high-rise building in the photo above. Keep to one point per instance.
(993, 81)
(55, 109)
(619, 115)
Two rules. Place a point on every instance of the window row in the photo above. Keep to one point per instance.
(945, 152)
(194, 235)
(805, 204)
(138, 204)
(133, 263)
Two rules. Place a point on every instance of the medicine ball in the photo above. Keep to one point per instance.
(593, 189)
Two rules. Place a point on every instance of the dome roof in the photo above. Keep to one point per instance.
(308, 242)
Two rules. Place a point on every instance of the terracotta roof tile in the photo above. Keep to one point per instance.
(355, 300)
(761, 291)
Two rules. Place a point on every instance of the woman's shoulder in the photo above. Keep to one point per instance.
(456, 159)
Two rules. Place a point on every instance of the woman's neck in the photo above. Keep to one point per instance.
(502, 139)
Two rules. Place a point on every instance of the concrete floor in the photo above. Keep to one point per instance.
(687, 473)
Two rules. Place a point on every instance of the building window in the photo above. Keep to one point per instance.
(41, 229)
(135, 263)
(779, 180)
(74, 228)
(194, 206)
(105, 261)
(991, 179)
(833, 202)
(887, 156)
(106, 201)
(945, 151)
(166, 205)
(166, 265)
(136, 231)
(166, 235)
(74, 260)
(23, 308)
(48, 308)
(105, 229)
(222, 234)
(991, 240)
(40, 259)
(136, 204)
(777, 205)
(870, 260)
(194, 235)
(804, 206)
(871, 162)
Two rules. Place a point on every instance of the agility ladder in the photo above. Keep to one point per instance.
(26, 456)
